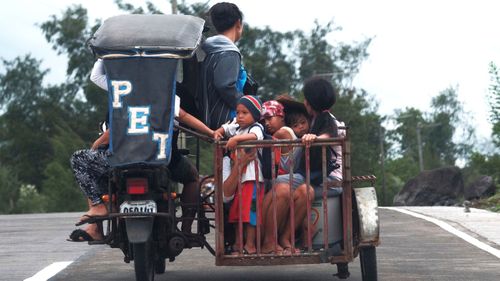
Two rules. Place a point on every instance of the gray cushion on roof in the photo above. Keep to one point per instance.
(149, 32)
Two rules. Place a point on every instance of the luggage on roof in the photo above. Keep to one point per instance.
(175, 36)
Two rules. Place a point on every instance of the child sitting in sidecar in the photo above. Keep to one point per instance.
(248, 113)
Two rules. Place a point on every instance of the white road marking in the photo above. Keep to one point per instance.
(49, 271)
(450, 229)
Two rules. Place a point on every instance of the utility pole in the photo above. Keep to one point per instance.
(174, 6)
(419, 144)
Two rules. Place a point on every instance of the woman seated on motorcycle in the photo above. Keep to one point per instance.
(90, 165)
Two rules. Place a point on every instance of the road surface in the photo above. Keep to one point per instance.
(411, 249)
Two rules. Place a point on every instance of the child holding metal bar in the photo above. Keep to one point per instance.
(248, 113)
(282, 122)
(274, 119)
(319, 97)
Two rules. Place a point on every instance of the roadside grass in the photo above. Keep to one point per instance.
(491, 203)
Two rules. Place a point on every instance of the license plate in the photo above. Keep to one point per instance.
(147, 206)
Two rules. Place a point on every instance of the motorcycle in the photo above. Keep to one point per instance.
(142, 200)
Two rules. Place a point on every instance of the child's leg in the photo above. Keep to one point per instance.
(237, 241)
(250, 239)
(300, 214)
(282, 208)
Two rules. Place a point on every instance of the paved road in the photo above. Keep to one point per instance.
(29, 243)
(411, 249)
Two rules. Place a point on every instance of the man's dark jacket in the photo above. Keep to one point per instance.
(219, 74)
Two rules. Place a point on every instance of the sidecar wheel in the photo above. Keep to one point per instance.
(368, 262)
(143, 262)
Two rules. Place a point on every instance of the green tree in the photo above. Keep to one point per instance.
(9, 190)
(268, 57)
(199, 9)
(31, 201)
(494, 100)
(68, 35)
(341, 62)
(444, 142)
(437, 129)
(404, 136)
(481, 164)
(59, 184)
(31, 122)
(22, 123)
(359, 111)
(444, 134)
(398, 172)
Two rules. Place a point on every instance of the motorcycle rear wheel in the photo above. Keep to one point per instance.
(143, 261)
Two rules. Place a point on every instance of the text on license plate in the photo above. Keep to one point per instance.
(147, 206)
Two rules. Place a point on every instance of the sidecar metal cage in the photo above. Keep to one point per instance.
(346, 250)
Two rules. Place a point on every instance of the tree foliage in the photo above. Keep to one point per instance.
(33, 115)
(268, 57)
(359, 112)
(494, 100)
(437, 129)
(9, 190)
(444, 133)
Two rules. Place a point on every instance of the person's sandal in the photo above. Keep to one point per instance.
(79, 235)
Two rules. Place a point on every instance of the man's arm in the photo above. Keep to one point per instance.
(98, 76)
(219, 133)
(194, 123)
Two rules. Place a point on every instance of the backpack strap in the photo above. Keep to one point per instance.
(262, 129)
(256, 124)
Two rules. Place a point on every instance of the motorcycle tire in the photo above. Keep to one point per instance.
(143, 261)
(368, 262)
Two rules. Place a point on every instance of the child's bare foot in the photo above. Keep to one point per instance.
(288, 251)
(250, 249)
(236, 250)
(268, 248)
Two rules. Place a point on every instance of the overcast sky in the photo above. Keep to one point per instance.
(419, 48)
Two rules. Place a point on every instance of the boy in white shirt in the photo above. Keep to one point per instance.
(248, 113)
